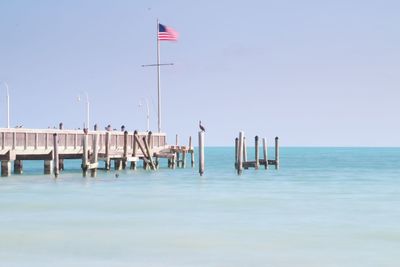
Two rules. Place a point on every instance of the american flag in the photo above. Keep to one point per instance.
(166, 33)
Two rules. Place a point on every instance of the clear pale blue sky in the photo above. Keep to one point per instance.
(322, 73)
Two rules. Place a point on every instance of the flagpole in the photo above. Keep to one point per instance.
(158, 79)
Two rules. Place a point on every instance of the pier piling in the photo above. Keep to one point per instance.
(240, 153)
(85, 154)
(18, 166)
(48, 166)
(5, 168)
(191, 151)
(201, 153)
(107, 151)
(134, 150)
(257, 154)
(125, 155)
(276, 153)
(265, 153)
(95, 156)
(56, 156)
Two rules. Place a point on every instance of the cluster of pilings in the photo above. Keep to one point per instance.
(241, 160)
(176, 154)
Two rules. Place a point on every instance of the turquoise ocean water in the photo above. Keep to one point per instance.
(324, 207)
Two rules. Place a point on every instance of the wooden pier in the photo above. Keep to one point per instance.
(53, 146)
(241, 161)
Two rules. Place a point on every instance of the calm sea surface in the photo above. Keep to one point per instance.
(324, 207)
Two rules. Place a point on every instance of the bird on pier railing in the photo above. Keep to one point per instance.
(202, 127)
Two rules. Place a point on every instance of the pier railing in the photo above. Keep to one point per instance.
(32, 142)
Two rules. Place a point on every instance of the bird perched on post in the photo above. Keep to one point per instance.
(202, 127)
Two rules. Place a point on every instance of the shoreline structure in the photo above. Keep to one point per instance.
(53, 146)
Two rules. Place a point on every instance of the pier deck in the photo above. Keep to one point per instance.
(39, 144)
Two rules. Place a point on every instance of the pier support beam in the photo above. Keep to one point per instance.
(117, 164)
(5, 168)
(48, 166)
(107, 148)
(125, 155)
(134, 150)
(56, 157)
(61, 164)
(85, 155)
(18, 167)
(95, 156)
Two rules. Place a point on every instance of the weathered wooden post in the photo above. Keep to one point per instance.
(201, 153)
(5, 168)
(56, 156)
(141, 149)
(85, 154)
(184, 157)
(177, 156)
(150, 139)
(95, 156)
(276, 152)
(61, 161)
(265, 152)
(149, 153)
(134, 149)
(48, 166)
(244, 151)
(191, 149)
(236, 152)
(125, 155)
(257, 154)
(240, 153)
(18, 166)
(107, 150)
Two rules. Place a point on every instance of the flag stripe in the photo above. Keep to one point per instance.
(166, 33)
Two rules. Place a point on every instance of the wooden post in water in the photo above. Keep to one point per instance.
(257, 154)
(56, 156)
(85, 154)
(5, 168)
(244, 151)
(107, 150)
(48, 166)
(18, 166)
(184, 158)
(276, 153)
(117, 164)
(125, 150)
(240, 153)
(176, 150)
(191, 152)
(201, 153)
(95, 156)
(236, 152)
(141, 149)
(134, 150)
(149, 153)
(265, 152)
